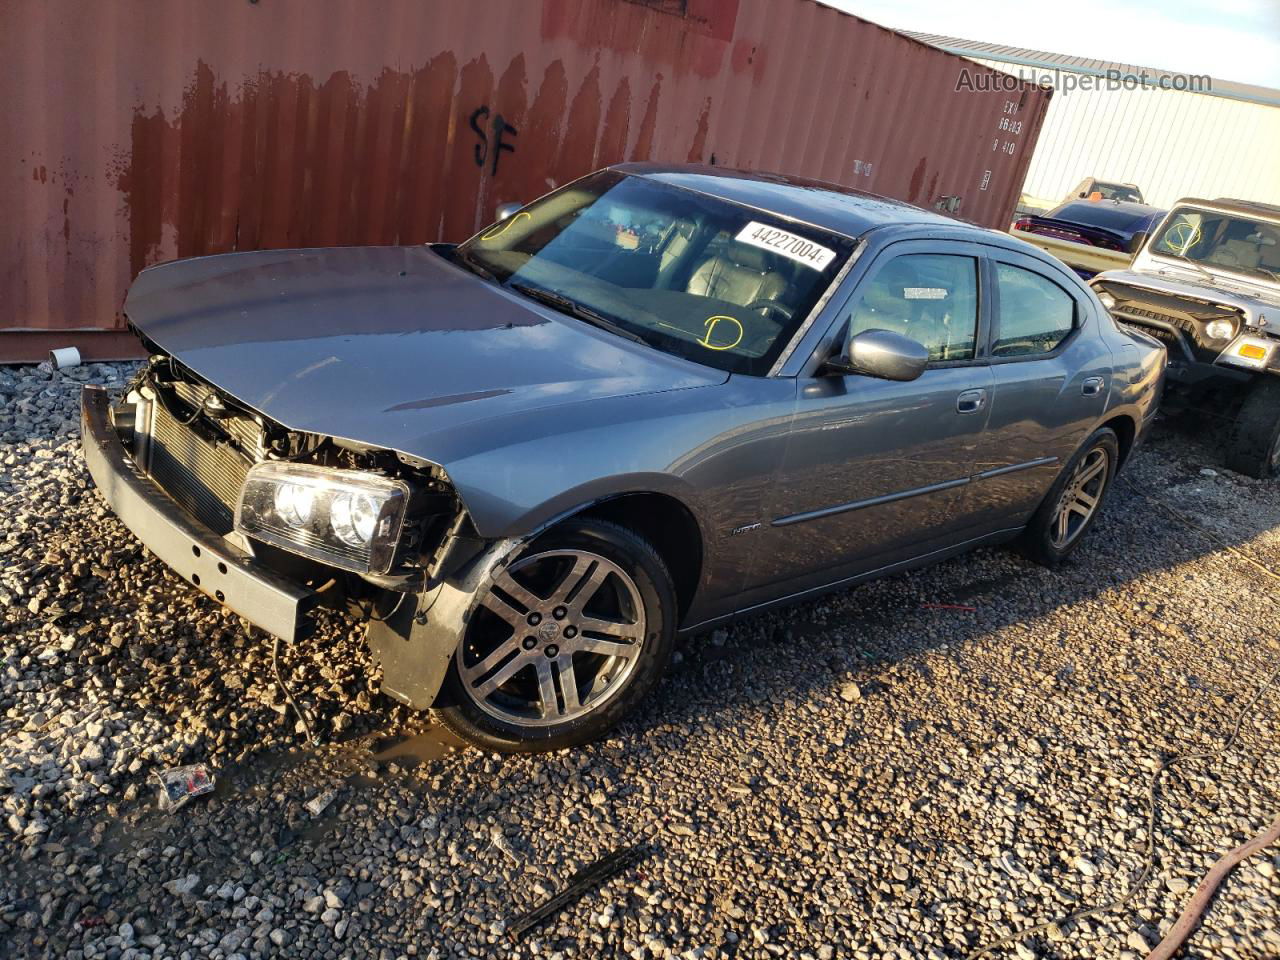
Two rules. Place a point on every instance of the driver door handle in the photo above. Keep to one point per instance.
(971, 401)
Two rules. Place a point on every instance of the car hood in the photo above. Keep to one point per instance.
(387, 346)
(1236, 291)
(1253, 302)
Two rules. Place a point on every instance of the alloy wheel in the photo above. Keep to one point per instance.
(556, 636)
(1080, 498)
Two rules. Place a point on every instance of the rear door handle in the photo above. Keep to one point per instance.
(1091, 387)
(971, 401)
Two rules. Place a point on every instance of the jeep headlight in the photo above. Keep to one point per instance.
(345, 518)
(1220, 329)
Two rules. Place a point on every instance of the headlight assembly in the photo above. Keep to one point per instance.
(1220, 329)
(344, 518)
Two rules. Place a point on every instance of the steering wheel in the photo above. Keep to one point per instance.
(771, 306)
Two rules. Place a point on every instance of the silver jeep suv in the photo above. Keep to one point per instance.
(1207, 283)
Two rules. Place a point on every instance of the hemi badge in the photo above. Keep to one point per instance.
(747, 529)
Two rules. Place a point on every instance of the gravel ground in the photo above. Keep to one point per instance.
(862, 776)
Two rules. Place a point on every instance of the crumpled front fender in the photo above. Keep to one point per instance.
(415, 644)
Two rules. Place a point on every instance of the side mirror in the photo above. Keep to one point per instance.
(883, 354)
(506, 211)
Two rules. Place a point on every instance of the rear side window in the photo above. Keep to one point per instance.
(1036, 314)
(931, 298)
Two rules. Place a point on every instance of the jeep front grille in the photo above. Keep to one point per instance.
(1182, 323)
(202, 477)
(1176, 331)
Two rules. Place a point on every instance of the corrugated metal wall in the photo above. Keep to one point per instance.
(137, 131)
(1170, 143)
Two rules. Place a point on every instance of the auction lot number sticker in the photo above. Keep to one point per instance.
(790, 245)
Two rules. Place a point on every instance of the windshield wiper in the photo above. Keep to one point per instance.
(1197, 267)
(566, 305)
(475, 266)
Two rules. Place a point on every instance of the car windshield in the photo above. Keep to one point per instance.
(693, 275)
(1118, 191)
(1228, 241)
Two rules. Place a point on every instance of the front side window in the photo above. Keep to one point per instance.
(1036, 314)
(693, 275)
(931, 298)
(1235, 243)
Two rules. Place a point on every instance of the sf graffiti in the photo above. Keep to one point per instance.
(492, 137)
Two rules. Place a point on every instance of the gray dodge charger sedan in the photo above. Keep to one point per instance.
(650, 401)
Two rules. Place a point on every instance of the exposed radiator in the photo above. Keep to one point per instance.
(245, 432)
(202, 477)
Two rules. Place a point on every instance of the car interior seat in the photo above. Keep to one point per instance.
(1236, 253)
(738, 274)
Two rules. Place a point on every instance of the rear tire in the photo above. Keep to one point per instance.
(1254, 445)
(564, 642)
(1079, 493)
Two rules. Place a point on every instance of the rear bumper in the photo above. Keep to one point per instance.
(1081, 258)
(218, 568)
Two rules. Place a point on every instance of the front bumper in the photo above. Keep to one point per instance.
(217, 567)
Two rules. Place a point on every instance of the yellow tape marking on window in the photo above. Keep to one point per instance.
(505, 225)
(712, 323)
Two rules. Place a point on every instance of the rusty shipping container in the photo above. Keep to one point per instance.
(136, 131)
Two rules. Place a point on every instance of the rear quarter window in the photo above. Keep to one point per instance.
(1035, 315)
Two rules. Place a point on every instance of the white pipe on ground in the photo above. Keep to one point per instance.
(64, 357)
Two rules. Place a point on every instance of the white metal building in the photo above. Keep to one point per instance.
(1172, 134)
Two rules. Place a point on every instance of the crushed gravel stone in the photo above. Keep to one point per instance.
(908, 769)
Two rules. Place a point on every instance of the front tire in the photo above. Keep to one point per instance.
(1254, 445)
(563, 643)
(1074, 501)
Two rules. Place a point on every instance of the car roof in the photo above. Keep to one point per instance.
(1250, 208)
(827, 205)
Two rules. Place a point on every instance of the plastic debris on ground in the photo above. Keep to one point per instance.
(320, 802)
(179, 784)
(502, 844)
(577, 886)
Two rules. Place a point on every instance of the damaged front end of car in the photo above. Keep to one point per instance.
(272, 522)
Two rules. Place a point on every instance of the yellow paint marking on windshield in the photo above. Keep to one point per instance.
(712, 323)
(1184, 236)
(505, 225)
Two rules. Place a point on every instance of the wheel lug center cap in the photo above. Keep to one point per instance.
(548, 630)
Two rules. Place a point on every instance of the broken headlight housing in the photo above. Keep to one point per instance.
(345, 518)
